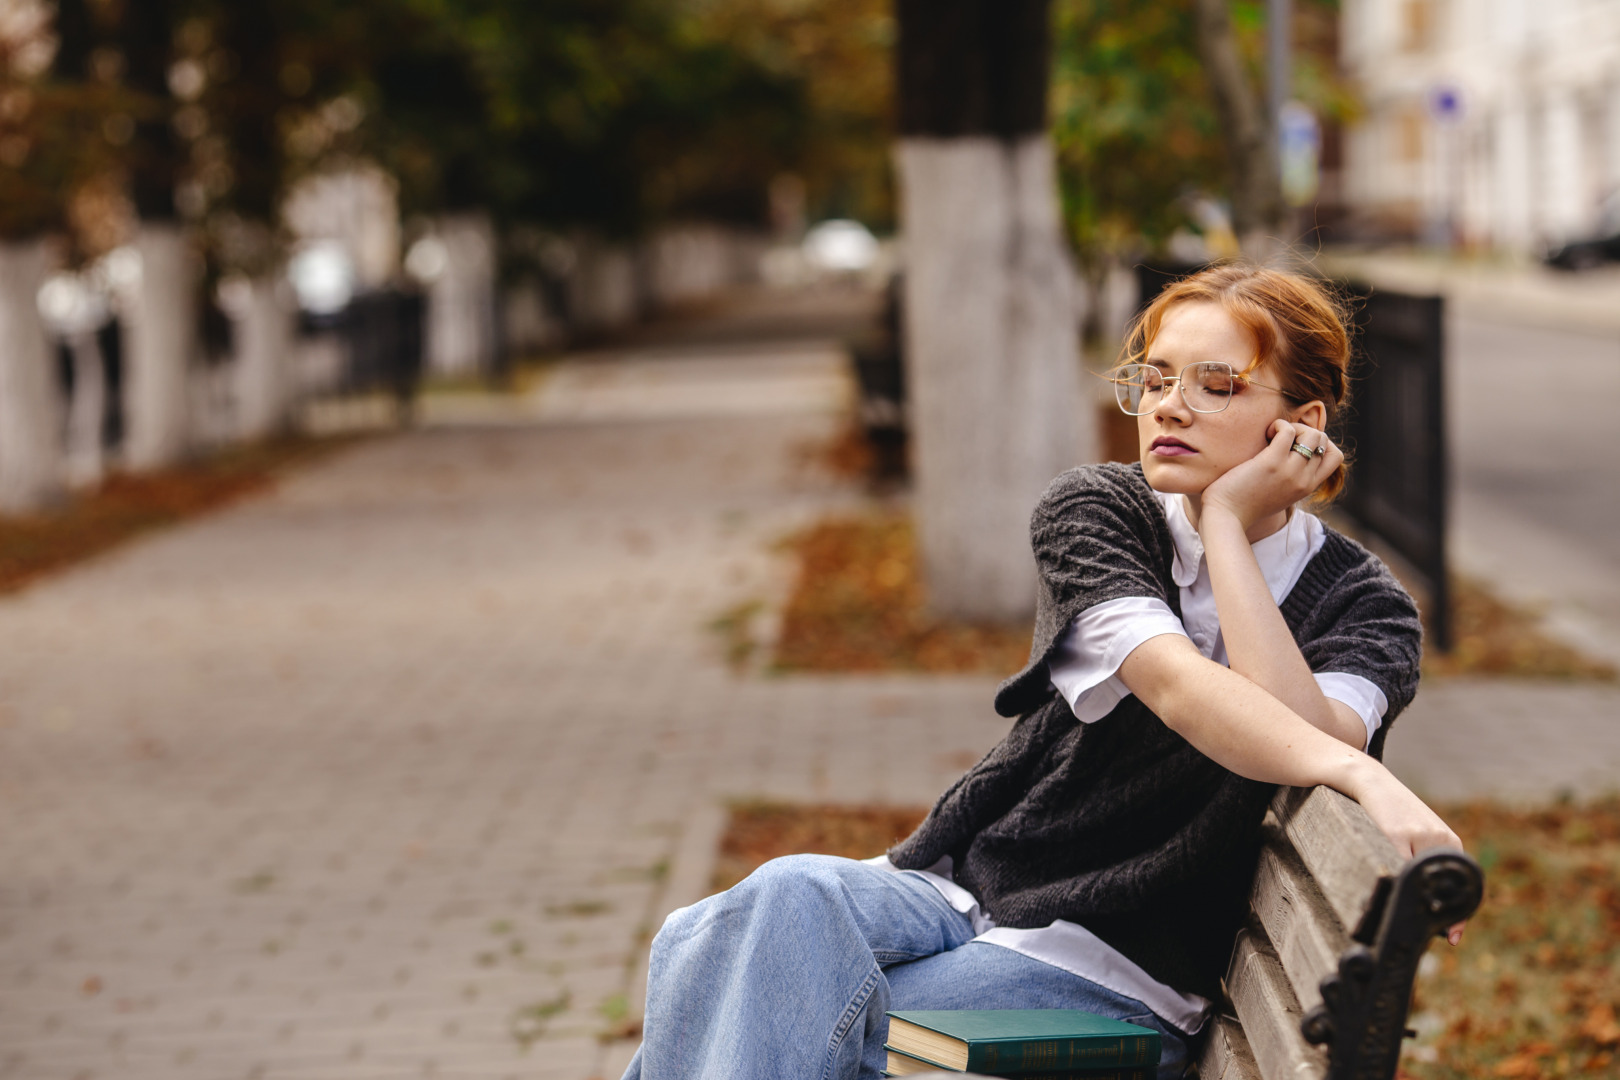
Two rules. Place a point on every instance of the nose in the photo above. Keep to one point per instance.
(1179, 413)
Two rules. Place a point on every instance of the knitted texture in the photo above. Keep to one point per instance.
(1122, 826)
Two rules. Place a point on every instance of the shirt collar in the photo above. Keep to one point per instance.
(1281, 555)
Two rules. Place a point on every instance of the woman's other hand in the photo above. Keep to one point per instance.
(1403, 817)
(1277, 477)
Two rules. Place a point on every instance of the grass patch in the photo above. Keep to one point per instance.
(1531, 994)
(1491, 637)
(858, 605)
(757, 832)
(1533, 990)
(127, 505)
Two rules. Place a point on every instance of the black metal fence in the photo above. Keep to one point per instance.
(383, 331)
(1394, 430)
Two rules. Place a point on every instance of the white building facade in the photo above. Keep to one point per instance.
(1490, 124)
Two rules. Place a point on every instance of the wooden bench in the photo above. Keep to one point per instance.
(1321, 979)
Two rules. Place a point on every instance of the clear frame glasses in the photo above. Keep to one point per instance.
(1206, 387)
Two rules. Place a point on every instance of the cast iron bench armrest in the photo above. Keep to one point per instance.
(1321, 979)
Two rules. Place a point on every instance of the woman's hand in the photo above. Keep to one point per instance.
(1277, 477)
(1403, 817)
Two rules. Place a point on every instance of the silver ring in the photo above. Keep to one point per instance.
(1304, 451)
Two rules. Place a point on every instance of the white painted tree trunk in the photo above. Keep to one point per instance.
(264, 338)
(993, 364)
(162, 342)
(604, 294)
(31, 439)
(689, 263)
(461, 324)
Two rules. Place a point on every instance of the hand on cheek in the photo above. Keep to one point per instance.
(1277, 477)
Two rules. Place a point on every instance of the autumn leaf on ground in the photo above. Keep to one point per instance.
(1600, 1025)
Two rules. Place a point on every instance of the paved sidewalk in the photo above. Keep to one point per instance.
(385, 774)
(391, 773)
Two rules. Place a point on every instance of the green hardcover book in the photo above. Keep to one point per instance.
(1004, 1042)
(901, 1063)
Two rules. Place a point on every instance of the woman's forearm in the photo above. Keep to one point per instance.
(1259, 645)
(1241, 726)
(1234, 721)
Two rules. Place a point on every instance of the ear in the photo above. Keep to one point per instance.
(1313, 414)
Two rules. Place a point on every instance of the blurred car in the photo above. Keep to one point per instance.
(840, 246)
(1593, 251)
(322, 276)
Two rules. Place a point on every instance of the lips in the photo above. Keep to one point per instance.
(1169, 446)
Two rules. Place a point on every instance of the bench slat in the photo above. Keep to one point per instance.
(1303, 929)
(1339, 845)
(1269, 1012)
(1226, 1053)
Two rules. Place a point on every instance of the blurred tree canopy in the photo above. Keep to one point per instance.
(1131, 122)
(1135, 130)
(609, 114)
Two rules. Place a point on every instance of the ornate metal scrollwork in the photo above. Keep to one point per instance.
(1363, 1012)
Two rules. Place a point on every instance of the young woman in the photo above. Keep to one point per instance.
(1199, 639)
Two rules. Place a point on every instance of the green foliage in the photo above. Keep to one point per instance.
(611, 113)
(1131, 122)
(1132, 118)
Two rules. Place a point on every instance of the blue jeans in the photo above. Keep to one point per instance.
(789, 976)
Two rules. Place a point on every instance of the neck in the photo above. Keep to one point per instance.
(1194, 506)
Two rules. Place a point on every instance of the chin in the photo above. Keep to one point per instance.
(1173, 479)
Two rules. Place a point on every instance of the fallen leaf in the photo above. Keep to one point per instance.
(1519, 1065)
(1600, 1025)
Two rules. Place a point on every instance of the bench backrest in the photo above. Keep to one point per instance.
(1333, 909)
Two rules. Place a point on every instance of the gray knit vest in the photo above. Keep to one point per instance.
(1122, 826)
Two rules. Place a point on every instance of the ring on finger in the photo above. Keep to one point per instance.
(1304, 451)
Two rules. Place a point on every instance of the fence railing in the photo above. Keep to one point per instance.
(1395, 431)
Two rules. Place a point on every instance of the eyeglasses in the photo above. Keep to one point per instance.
(1206, 387)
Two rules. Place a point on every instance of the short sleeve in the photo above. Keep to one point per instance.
(1360, 694)
(1356, 620)
(1084, 664)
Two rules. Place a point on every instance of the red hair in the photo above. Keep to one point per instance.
(1298, 325)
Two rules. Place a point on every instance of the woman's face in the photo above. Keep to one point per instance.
(1184, 451)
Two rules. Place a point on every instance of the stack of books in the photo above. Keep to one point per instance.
(1048, 1044)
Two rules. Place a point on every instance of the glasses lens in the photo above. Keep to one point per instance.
(1208, 387)
(1135, 386)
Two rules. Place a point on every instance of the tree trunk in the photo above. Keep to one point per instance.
(991, 344)
(1258, 211)
(162, 323)
(31, 441)
(604, 294)
(991, 341)
(461, 302)
(264, 335)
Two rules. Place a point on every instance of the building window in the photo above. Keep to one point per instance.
(1409, 125)
(1420, 25)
